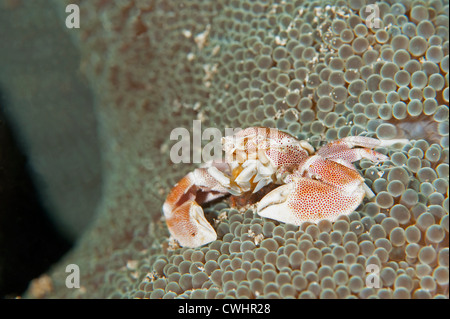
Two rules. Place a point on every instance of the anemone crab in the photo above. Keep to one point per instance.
(315, 185)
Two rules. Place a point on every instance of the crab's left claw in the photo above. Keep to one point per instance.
(188, 225)
(308, 200)
(184, 215)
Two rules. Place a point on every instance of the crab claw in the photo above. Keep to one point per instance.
(184, 215)
(308, 200)
(188, 225)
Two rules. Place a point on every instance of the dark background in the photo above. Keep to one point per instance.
(29, 242)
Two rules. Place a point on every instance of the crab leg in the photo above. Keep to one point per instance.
(184, 216)
(341, 152)
(349, 142)
(347, 157)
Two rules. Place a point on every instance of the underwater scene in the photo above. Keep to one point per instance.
(224, 149)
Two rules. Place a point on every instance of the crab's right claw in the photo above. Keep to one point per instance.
(188, 225)
(308, 200)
